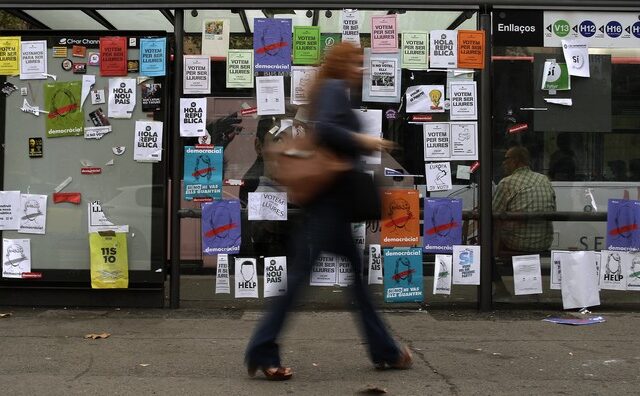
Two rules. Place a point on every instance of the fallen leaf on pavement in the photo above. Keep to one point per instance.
(94, 336)
(372, 390)
(144, 364)
(4, 315)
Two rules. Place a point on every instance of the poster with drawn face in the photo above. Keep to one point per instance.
(623, 231)
(272, 44)
(442, 224)
(400, 218)
(221, 230)
(33, 216)
(403, 280)
(246, 279)
(16, 257)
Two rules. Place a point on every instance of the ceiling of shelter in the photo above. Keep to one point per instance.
(241, 20)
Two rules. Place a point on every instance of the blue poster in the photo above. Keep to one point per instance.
(403, 275)
(272, 44)
(221, 227)
(202, 173)
(442, 225)
(152, 57)
(623, 232)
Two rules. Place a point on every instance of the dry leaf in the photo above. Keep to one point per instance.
(144, 364)
(373, 390)
(5, 315)
(94, 336)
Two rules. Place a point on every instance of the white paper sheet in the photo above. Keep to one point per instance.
(438, 176)
(527, 277)
(442, 274)
(302, 77)
(443, 49)
(10, 210)
(267, 206)
(370, 124)
(614, 270)
(632, 263)
(270, 95)
(222, 274)
(197, 74)
(579, 280)
(324, 271)
(350, 26)
(346, 274)
(16, 257)
(384, 79)
(464, 101)
(246, 279)
(147, 145)
(193, 117)
(33, 218)
(466, 265)
(576, 54)
(375, 265)
(33, 60)
(88, 80)
(275, 276)
(122, 97)
(98, 221)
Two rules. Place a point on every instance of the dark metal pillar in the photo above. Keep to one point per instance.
(176, 156)
(486, 154)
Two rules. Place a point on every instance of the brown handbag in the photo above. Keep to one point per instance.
(306, 168)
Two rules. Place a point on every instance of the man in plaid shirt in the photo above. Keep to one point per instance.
(523, 190)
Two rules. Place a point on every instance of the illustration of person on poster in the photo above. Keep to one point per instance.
(403, 275)
(442, 224)
(401, 218)
(221, 229)
(62, 101)
(202, 173)
(623, 230)
(272, 44)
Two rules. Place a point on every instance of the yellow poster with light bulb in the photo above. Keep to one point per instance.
(109, 261)
(425, 99)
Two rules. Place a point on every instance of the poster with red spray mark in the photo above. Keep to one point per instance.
(221, 232)
(403, 275)
(202, 176)
(400, 225)
(272, 45)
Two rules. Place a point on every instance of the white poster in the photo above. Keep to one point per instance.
(458, 75)
(613, 271)
(375, 265)
(442, 274)
(438, 176)
(464, 141)
(267, 206)
(346, 274)
(246, 278)
(196, 75)
(555, 280)
(270, 95)
(33, 60)
(33, 218)
(443, 49)
(466, 265)
(193, 117)
(16, 257)
(370, 124)
(215, 38)
(576, 55)
(464, 101)
(359, 233)
(323, 272)
(437, 140)
(222, 274)
(527, 277)
(98, 220)
(350, 26)
(302, 77)
(147, 145)
(88, 81)
(10, 210)
(384, 79)
(632, 263)
(122, 97)
(417, 99)
(275, 276)
(579, 280)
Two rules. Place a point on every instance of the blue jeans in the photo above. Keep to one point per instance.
(325, 228)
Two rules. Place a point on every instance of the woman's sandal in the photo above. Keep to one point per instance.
(272, 373)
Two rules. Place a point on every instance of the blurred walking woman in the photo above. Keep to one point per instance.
(326, 222)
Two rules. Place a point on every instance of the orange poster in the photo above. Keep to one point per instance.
(471, 49)
(400, 218)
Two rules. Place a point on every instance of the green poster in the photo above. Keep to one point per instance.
(415, 50)
(62, 101)
(306, 45)
(557, 77)
(328, 40)
(240, 68)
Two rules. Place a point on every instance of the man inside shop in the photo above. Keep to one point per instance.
(522, 190)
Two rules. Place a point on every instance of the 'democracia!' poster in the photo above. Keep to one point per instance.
(400, 218)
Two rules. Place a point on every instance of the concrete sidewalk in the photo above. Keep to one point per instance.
(199, 352)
